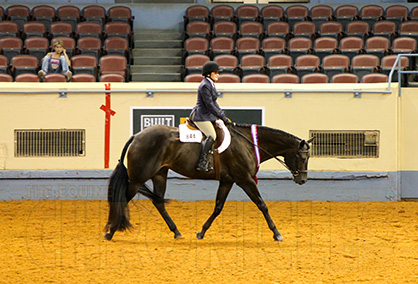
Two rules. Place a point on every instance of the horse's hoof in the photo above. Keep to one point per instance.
(108, 236)
(278, 238)
(200, 235)
(178, 236)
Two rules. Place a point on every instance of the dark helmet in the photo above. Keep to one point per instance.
(209, 67)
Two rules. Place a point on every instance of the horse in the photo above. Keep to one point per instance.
(157, 149)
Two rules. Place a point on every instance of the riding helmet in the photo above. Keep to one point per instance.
(209, 67)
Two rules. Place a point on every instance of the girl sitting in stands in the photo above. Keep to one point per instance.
(56, 62)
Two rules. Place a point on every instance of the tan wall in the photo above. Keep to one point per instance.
(408, 129)
(297, 115)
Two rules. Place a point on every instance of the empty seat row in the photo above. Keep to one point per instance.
(296, 13)
(58, 78)
(304, 64)
(46, 14)
(294, 79)
(81, 64)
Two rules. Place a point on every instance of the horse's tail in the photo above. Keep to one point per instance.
(116, 195)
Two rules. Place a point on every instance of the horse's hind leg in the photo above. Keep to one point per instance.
(223, 191)
(160, 184)
(251, 190)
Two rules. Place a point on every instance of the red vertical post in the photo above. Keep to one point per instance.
(108, 113)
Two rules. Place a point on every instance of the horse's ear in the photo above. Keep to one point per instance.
(310, 140)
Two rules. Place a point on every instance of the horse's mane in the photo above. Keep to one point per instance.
(272, 130)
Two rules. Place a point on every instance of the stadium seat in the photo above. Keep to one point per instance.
(37, 46)
(295, 14)
(404, 45)
(4, 64)
(256, 78)
(221, 45)
(18, 14)
(364, 64)
(55, 78)
(314, 78)
(8, 28)
(298, 46)
(385, 29)
(222, 13)
(34, 29)
(387, 63)
(247, 45)
(225, 29)
(273, 46)
(228, 78)
(84, 64)
(358, 29)
(83, 78)
(193, 78)
(278, 29)
(345, 14)
(6, 78)
(279, 64)
(285, 79)
(347, 78)
(69, 14)
(24, 64)
(119, 29)
(120, 14)
(375, 78)
(378, 46)
(116, 78)
(351, 46)
(371, 14)
(413, 15)
(118, 46)
(247, 13)
(44, 14)
(113, 64)
(252, 64)
(27, 78)
(198, 29)
(90, 46)
(69, 44)
(324, 46)
(227, 63)
(196, 45)
(320, 14)
(88, 29)
(305, 29)
(410, 29)
(397, 14)
(306, 64)
(335, 64)
(94, 13)
(196, 13)
(271, 14)
(194, 63)
(10, 46)
(331, 29)
(251, 29)
(61, 29)
(1, 13)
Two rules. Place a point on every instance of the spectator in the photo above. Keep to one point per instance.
(56, 62)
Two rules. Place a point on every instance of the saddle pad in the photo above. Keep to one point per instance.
(189, 135)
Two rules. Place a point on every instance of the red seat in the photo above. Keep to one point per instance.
(397, 14)
(113, 64)
(331, 29)
(117, 45)
(321, 14)
(88, 29)
(69, 14)
(4, 64)
(34, 29)
(120, 14)
(6, 78)
(346, 14)
(83, 78)
(385, 28)
(193, 78)
(358, 28)
(247, 13)
(94, 13)
(8, 28)
(387, 63)
(346, 78)
(61, 29)
(272, 46)
(278, 29)
(271, 14)
(44, 14)
(256, 78)
(119, 29)
(404, 45)
(227, 63)
(324, 46)
(305, 29)
(279, 64)
(196, 13)
(247, 45)
(10, 46)
(198, 29)
(378, 46)
(252, 64)
(221, 45)
(194, 63)
(364, 64)
(295, 14)
(410, 29)
(27, 78)
(116, 78)
(307, 64)
(37, 46)
(371, 14)
(225, 29)
(285, 79)
(90, 46)
(84, 64)
(315, 78)
(299, 46)
(55, 78)
(351, 46)
(375, 78)
(335, 64)
(228, 78)
(252, 29)
(196, 45)
(19, 14)
(222, 13)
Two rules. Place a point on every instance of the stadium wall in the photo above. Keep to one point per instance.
(390, 176)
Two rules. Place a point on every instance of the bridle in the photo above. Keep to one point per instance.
(295, 173)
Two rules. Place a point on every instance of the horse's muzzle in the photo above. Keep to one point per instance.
(300, 178)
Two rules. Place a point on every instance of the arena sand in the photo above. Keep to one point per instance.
(324, 242)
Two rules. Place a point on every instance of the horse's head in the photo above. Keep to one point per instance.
(297, 162)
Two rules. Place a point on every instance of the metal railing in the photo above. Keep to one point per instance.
(397, 66)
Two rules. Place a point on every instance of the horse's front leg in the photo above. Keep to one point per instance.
(223, 191)
(251, 190)
(160, 185)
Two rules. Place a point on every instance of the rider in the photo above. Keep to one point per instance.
(206, 111)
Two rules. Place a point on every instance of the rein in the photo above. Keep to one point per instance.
(295, 173)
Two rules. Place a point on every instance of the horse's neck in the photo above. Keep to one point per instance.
(275, 142)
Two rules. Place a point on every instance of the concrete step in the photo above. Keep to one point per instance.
(156, 69)
(157, 52)
(170, 43)
(172, 60)
(157, 35)
(156, 77)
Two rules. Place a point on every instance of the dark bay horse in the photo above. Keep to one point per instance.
(155, 150)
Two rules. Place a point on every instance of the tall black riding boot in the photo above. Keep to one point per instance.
(203, 164)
